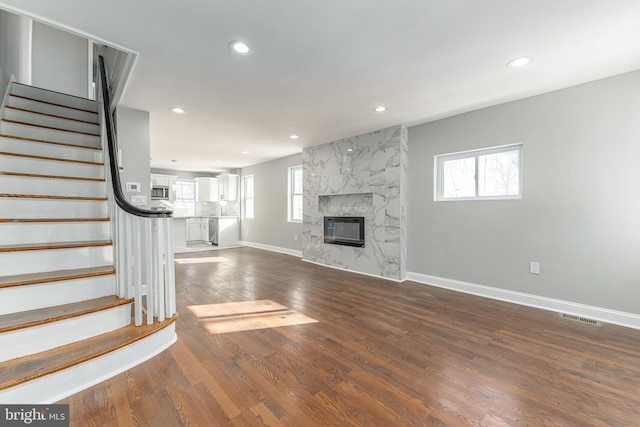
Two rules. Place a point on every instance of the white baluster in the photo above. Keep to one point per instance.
(148, 229)
(161, 271)
(137, 269)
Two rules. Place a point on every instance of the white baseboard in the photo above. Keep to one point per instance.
(286, 251)
(605, 315)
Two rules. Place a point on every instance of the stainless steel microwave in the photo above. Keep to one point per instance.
(160, 192)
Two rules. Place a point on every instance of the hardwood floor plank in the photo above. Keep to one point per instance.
(381, 354)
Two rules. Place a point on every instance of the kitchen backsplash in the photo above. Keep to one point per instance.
(216, 209)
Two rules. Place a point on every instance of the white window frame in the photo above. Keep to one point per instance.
(439, 171)
(291, 194)
(245, 196)
(178, 201)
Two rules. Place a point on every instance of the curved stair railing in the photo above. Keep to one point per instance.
(142, 238)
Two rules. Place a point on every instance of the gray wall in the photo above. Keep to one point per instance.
(270, 226)
(12, 57)
(580, 212)
(60, 61)
(133, 140)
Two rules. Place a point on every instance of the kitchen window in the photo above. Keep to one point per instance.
(247, 197)
(185, 203)
(488, 174)
(294, 191)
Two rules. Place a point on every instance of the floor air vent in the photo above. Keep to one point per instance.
(580, 319)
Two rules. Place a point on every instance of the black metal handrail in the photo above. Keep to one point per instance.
(113, 163)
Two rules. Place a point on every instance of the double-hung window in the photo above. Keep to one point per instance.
(185, 203)
(247, 196)
(492, 173)
(294, 200)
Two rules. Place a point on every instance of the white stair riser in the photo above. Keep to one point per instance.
(14, 207)
(55, 110)
(54, 97)
(39, 119)
(21, 146)
(50, 135)
(51, 186)
(25, 262)
(32, 297)
(15, 233)
(59, 385)
(27, 341)
(50, 167)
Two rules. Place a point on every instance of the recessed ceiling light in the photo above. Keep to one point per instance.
(178, 110)
(239, 48)
(380, 109)
(244, 152)
(519, 62)
(294, 136)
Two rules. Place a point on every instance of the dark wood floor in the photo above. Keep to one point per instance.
(381, 354)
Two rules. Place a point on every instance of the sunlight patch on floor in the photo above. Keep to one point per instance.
(247, 315)
(204, 260)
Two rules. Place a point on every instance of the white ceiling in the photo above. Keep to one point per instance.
(318, 68)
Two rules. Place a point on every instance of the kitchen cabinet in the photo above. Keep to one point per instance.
(228, 187)
(206, 189)
(197, 229)
(225, 231)
(159, 180)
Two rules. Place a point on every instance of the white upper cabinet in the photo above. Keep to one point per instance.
(228, 187)
(206, 189)
(160, 180)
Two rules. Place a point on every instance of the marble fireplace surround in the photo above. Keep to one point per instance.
(359, 176)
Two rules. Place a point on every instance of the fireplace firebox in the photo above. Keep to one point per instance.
(344, 230)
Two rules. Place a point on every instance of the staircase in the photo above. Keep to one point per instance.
(63, 326)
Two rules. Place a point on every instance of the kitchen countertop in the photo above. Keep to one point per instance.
(205, 216)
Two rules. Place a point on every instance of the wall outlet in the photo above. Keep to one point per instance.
(295, 236)
(534, 267)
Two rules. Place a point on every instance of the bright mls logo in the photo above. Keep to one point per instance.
(34, 415)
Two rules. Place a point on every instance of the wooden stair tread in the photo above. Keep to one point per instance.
(48, 196)
(23, 369)
(36, 175)
(55, 116)
(47, 141)
(56, 245)
(9, 220)
(54, 276)
(17, 122)
(54, 159)
(27, 319)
